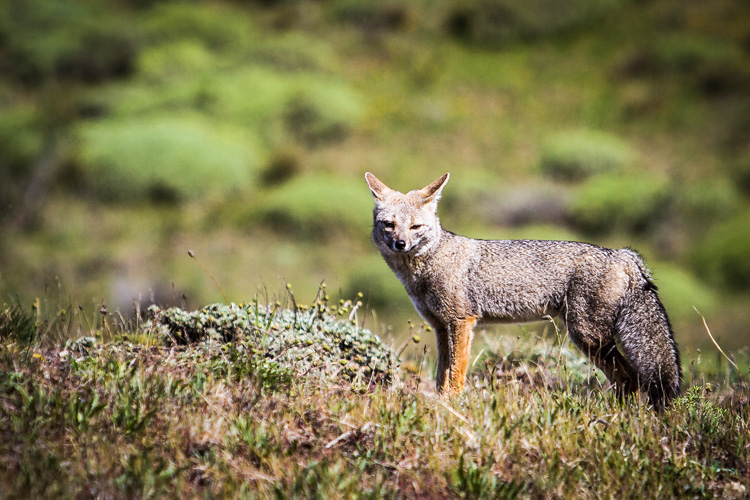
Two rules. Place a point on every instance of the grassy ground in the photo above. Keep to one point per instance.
(134, 413)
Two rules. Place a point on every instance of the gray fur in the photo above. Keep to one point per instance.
(606, 297)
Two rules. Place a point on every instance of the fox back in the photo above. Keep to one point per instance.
(604, 295)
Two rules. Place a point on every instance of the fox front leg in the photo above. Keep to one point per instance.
(454, 348)
(445, 354)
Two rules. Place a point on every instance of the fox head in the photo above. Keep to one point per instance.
(405, 223)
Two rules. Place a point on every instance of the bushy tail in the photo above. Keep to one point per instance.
(647, 341)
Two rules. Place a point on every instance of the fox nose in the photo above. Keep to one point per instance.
(399, 245)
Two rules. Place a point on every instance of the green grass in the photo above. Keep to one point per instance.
(135, 417)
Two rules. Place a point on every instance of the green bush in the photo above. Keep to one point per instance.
(705, 200)
(574, 155)
(387, 15)
(608, 203)
(319, 109)
(294, 51)
(307, 105)
(494, 22)
(315, 341)
(171, 156)
(316, 207)
(713, 64)
(740, 172)
(722, 256)
(175, 60)
(230, 33)
(20, 137)
(687, 53)
(270, 104)
(253, 96)
(75, 39)
(21, 142)
(249, 97)
(285, 163)
(216, 25)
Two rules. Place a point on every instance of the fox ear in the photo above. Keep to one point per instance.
(378, 189)
(432, 191)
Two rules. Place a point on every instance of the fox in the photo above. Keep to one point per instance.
(605, 297)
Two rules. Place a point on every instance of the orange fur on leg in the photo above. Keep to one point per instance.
(462, 333)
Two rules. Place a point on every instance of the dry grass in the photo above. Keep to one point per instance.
(133, 418)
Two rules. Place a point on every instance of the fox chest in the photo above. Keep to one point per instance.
(440, 293)
(439, 303)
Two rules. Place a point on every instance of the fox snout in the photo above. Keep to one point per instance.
(400, 243)
(397, 241)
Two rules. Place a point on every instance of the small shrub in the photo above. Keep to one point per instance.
(285, 163)
(314, 341)
(722, 256)
(713, 64)
(372, 16)
(494, 22)
(214, 24)
(294, 51)
(178, 59)
(21, 141)
(178, 156)
(311, 121)
(710, 64)
(251, 96)
(316, 207)
(318, 109)
(272, 105)
(608, 203)
(575, 155)
(703, 201)
(688, 52)
(20, 137)
(740, 172)
(77, 39)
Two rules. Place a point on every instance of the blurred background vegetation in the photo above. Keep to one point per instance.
(132, 131)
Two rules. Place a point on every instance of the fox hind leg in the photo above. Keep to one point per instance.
(617, 369)
(597, 342)
(633, 346)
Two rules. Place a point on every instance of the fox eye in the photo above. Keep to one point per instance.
(389, 225)
(416, 226)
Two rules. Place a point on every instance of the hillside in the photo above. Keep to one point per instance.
(134, 131)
